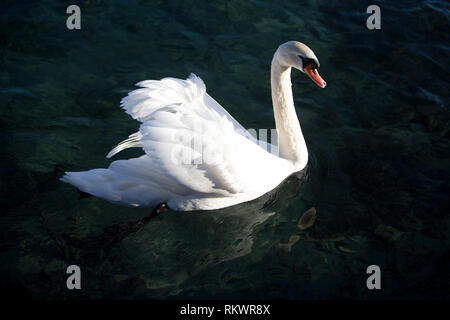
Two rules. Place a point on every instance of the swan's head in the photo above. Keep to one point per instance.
(299, 56)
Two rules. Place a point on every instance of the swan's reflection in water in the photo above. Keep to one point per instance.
(176, 246)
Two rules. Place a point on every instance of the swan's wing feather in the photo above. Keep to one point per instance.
(157, 94)
(204, 155)
(193, 141)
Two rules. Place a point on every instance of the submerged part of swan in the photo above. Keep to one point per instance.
(178, 118)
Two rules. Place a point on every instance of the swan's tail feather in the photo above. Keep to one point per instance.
(108, 185)
(94, 182)
(133, 182)
(134, 140)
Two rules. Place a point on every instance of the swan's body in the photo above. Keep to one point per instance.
(180, 119)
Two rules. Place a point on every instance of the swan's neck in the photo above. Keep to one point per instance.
(291, 143)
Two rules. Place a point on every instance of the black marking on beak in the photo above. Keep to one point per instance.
(308, 61)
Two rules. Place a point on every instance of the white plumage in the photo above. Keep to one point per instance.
(197, 156)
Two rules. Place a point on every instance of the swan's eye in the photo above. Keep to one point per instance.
(308, 61)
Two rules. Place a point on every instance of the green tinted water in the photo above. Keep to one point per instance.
(377, 135)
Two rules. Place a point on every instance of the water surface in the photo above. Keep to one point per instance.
(378, 138)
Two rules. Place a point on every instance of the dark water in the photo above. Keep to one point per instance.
(378, 137)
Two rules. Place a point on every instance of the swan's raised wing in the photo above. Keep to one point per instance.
(157, 94)
(193, 141)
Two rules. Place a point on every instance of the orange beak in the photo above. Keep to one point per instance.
(311, 71)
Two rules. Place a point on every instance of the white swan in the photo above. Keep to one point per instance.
(178, 114)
